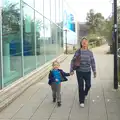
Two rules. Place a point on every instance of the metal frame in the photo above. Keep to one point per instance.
(59, 49)
(22, 47)
(61, 30)
(55, 28)
(44, 33)
(35, 36)
(1, 50)
(66, 51)
(43, 13)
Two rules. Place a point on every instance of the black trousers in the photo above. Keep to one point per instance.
(81, 78)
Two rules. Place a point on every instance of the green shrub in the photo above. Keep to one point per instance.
(98, 42)
(94, 38)
(119, 78)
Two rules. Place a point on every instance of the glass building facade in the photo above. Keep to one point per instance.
(31, 34)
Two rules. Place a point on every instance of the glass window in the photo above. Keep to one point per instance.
(50, 40)
(53, 10)
(61, 41)
(58, 40)
(11, 39)
(61, 13)
(29, 2)
(47, 8)
(39, 39)
(39, 6)
(29, 39)
(57, 11)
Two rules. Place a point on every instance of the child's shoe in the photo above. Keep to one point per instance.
(54, 99)
(82, 105)
(59, 104)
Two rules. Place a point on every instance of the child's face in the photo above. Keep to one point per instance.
(56, 66)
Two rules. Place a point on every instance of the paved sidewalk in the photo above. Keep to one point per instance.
(103, 103)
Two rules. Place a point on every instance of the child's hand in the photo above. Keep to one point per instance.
(56, 80)
(94, 74)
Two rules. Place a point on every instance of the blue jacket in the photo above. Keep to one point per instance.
(63, 76)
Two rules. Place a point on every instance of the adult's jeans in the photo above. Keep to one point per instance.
(81, 78)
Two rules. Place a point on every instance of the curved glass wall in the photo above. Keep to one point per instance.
(31, 35)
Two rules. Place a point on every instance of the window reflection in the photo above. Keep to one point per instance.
(39, 36)
(29, 39)
(57, 11)
(39, 6)
(47, 8)
(50, 40)
(53, 19)
(61, 14)
(59, 40)
(39, 39)
(11, 38)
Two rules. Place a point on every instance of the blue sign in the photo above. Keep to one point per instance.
(68, 21)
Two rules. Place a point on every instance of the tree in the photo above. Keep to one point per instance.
(108, 31)
(99, 23)
(95, 21)
(10, 18)
(90, 21)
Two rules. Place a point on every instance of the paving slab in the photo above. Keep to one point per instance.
(4, 119)
(103, 103)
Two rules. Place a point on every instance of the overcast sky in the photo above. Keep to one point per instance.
(81, 7)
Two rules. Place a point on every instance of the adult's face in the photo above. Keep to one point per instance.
(84, 43)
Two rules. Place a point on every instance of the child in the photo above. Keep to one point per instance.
(56, 76)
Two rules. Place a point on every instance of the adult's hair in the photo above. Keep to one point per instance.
(82, 40)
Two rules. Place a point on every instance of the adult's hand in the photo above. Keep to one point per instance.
(72, 73)
(95, 74)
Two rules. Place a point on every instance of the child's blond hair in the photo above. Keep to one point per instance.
(55, 62)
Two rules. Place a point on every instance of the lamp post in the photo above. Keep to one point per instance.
(66, 41)
(115, 46)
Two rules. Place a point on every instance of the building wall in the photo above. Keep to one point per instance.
(77, 32)
(31, 34)
(69, 25)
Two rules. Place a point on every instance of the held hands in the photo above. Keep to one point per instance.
(72, 73)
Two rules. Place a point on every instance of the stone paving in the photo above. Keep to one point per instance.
(103, 102)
